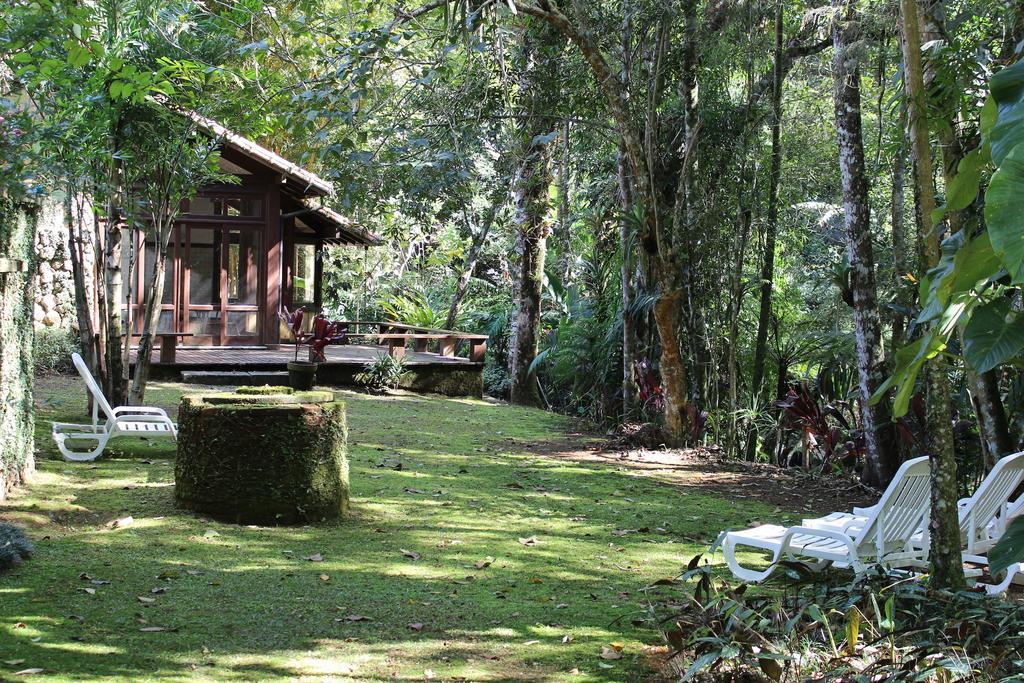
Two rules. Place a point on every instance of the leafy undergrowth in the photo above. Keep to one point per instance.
(468, 556)
(802, 626)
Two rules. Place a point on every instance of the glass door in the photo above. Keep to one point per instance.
(202, 312)
(222, 285)
(242, 279)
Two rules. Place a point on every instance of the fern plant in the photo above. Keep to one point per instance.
(383, 374)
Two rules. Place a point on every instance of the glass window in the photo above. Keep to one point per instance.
(247, 207)
(303, 274)
(147, 272)
(243, 270)
(204, 274)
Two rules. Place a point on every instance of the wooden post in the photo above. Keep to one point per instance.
(420, 345)
(448, 346)
(478, 350)
(396, 348)
(168, 348)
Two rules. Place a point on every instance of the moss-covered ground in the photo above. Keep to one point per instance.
(474, 552)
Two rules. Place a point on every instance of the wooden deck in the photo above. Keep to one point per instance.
(197, 358)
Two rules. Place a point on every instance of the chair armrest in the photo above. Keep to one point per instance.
(139, 410)
(865, 512)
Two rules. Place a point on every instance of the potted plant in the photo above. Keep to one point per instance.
(302, 373)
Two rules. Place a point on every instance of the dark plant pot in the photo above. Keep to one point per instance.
(301, 375)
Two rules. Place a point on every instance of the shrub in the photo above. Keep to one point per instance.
(829, 627)
(497, 381)
(53, 349)
(383, 374)
(14, 547)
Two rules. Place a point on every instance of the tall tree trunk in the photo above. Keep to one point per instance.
(75, 210)
(114, 387)
(475, 247)
(657, 249)
(904, 256)
(151, 310)
(881, 458)
(771, 227)
(626, 232)
(531, 190)
(626, 276)
(946, 559)
(985, 398)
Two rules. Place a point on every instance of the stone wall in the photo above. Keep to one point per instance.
(17, 298)
(55, 289)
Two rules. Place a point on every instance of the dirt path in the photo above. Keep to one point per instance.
(790, 490)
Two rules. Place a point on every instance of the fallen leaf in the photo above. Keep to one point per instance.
(145, 600)
(411, 490)
(315, 557)
(325, 577)
(28, 672)
(411, 554)
(84, 577)
(90, 591)
(536, 579)
(561, 605)
(158, 590)
(99, 582)
(14, 662)
(211, 533)
(532, 540)
(484, 563)
(610, 653)
(157, 629)
(121, 523)
(354, 617)
(531, 642)
(416, 626)
(567, 638)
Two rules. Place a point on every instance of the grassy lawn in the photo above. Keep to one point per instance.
(435, 574)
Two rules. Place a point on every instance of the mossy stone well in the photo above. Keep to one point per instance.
(263, 458)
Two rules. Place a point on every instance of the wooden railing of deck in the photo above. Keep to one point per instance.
(397, 335)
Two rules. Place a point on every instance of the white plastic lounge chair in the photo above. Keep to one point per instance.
(883, 537)
(983, 517)
(138, 421)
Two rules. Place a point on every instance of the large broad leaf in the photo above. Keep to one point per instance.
(963, 189)
(909, 361)
(1004, 212)
(1008, 92)
(1009, 549)
(993, 336)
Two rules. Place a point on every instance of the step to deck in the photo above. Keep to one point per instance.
(236, 377)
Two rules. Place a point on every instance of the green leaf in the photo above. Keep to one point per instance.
(909, 361)
(1009, 548)
(1007, 88)
(1004, 207)
(963, 189)
(22, 58)
(993, 336)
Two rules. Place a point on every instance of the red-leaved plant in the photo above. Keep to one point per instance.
(323, 333)
(293, 319)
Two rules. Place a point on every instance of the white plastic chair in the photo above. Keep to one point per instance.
(138, 421)
(885, 536)
(983, 517)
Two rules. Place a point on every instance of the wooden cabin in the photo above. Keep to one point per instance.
(241, 252)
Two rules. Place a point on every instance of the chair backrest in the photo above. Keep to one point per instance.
(97, 395)
(989, 502)
(902, 510)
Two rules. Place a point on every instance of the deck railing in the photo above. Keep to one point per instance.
(396, 336)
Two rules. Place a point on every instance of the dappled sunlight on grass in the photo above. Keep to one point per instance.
(466, 554)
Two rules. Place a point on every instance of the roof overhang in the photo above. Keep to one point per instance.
(300, 181)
